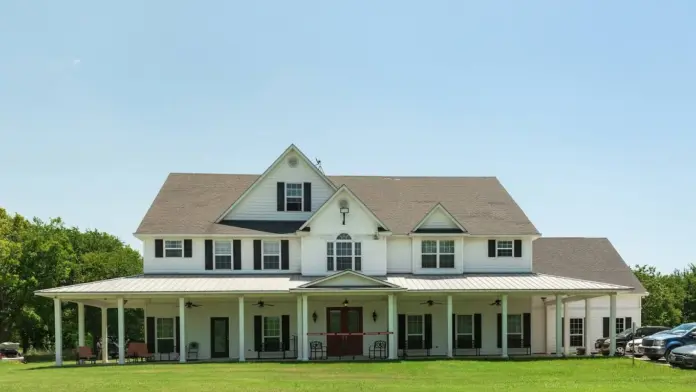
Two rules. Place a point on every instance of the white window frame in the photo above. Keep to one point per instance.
(294, 197)
(581, 334)
(438, 253)
(422, 322)
(215, 255)
(456, 326)
(280, 331)
(264, 254)
(157, 337)
(355, 248)
(165, 248)
(622, 321)
(521, 333)
(498, 248)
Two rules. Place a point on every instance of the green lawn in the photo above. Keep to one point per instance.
(547, 375)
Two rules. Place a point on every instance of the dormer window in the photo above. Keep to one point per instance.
(343, 254)
(293, 197)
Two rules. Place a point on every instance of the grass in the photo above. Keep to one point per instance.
(488, 376)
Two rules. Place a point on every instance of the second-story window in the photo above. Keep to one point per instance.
(343, 254)
(271, 255)
(437, 254)
(223, 255)
(173, 248)
(293, 197)
(504, 248)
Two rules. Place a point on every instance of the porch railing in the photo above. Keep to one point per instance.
(279, 348)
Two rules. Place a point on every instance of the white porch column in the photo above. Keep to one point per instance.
(80, 324)
(504, 329)
(182, 330)
(299, 340)
(121, 333)
(104, 336)
(58, 315)
(242, 343)
(559, 304)
(305, 329)
(566, 329)
(586, 328)
(450, 342)
(612, 324)
(391, 338)
(395, 314)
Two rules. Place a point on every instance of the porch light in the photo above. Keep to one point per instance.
(374, 316)
(315, 317)
(344, 210)
(345, 302)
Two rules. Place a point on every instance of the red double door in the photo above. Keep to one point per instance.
(344, 320)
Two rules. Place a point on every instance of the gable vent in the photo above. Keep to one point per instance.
(292, 161)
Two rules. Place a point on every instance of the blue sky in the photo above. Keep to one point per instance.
(583, 109)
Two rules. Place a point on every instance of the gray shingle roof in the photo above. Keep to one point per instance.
(593, 259)
(190, 203)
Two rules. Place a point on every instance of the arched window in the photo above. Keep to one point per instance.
(343, 254)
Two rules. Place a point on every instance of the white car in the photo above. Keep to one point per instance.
(633, 347)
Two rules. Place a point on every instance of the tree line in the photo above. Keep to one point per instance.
(36, 255)
(672, 298)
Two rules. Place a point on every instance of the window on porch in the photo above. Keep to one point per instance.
(515, 330)
(465, 331)
(576, 332)
(437, 254)
(271, 333)
(414, 331)
(165, 335)
(343, 254)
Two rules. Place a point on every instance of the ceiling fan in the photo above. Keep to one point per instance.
(262, 304)
(189, 305)
(430, 302)
(495, 303)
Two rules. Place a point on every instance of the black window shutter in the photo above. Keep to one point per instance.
(257, 254)
(208, 254)
(500, 330)
(477, 330)
(281, 196)
(285, 327)
(177, 327)
(307, 194)
(527, 329)
(258, 333)
(401, 328)
(491, 248)
(517, 248)
(159, 248)
(628, 323)
(188, 248)
(605, 327)
(237, 254)
(454, 330)
(428, 329)
(284, 254)
(150, 334)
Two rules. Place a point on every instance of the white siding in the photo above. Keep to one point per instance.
(196, 263)
(438, 220)
(476, 257)
(261, 202)
(399, 255)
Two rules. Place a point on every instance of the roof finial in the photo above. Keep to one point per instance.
(318, 164)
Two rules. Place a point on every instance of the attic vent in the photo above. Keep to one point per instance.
(343, 203)
(292, 161)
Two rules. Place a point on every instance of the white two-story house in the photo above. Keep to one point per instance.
(296, 264)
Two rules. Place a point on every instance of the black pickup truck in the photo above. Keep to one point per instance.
(625, 337)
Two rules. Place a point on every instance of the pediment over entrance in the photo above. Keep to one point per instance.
(351, 280)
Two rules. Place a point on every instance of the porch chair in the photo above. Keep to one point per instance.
(132, 352)
(378, 350)
(143, 353)
(317, 350)
(84, 353)
(192, 351)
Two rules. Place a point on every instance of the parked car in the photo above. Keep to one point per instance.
(662, 343)
(624, 338)
(683, 357)
(10, 351)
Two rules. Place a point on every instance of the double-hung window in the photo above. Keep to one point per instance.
(504, 248)
(465, 331)
(576, 332)
(620, 325)
(223, 255)
(173, 248)
(293, 197)
(343, 254)
(415, 331)
(514, 330)
(165, 335)
(271, 255)
(437, 254)
(271, 333)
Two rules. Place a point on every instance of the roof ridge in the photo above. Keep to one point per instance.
(384, 176)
